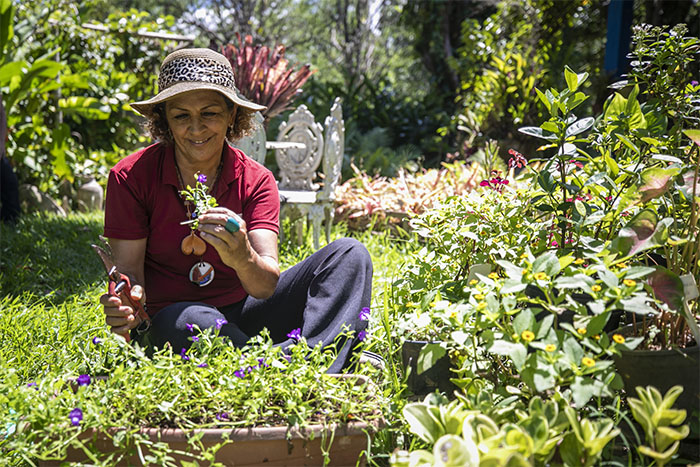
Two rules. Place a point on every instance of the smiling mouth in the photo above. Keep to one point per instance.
(200, 142)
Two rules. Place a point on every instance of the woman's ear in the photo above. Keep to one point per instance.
(232, 121)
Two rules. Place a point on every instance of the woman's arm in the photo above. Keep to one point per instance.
(253, 255)
(129, 257)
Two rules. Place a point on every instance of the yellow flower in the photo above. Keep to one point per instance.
(581, 331)
(479, 296)
(483, 233)
(481, 306)
(589, 362)
(453, 315)
(410, 305)
(550, 347)
(629, 282)
(473, 282)
(493, 275)
(597, 337)
(525, 271)
(523, 256)
(621, 265)
(527, 336)
(596, 288)
(579, 261)
(618, 338)
(541, 276)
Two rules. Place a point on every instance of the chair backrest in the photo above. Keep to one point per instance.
(254, 145)
(298, 166)
(334, 150)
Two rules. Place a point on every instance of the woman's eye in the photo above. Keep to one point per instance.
(180, 116)
(209, 114)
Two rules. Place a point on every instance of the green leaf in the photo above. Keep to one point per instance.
(524, 321)
(429, 355)
(571, 79)
(612, 165)
(579, 126)
(583, 388)
(537, 132)
(694, 135)
(627, 142)
(456, 451)
(88, 107)
(517, 352)
(547, 263)
(422, 423)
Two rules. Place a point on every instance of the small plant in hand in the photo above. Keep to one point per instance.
(212, 384)
(202, 201)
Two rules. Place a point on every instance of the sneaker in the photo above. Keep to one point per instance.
(373, 359)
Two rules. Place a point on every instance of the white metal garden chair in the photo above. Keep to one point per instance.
(302, 197)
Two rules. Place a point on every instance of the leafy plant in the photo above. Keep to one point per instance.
(263, 76)
(661, 423)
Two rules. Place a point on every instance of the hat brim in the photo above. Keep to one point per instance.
(145, 108)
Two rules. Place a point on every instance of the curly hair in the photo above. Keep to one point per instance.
(157, 125)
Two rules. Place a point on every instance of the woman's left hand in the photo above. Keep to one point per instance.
(233, 247)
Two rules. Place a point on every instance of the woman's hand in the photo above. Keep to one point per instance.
(233, 247)
(253, 255)
(121, 317)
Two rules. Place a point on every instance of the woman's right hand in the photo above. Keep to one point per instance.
(121, 317)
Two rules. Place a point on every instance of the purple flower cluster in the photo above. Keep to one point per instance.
(220, 322)
(364, 314)
(183, 354)
(201, 178)
(75, 416)
(295, 334)
(223, 416)
(96, 340)
(84, 380)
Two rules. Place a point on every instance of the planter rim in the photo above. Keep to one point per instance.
(662, 352)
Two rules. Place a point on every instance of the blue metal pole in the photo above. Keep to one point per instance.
(619, 37)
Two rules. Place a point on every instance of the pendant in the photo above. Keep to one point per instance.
(202, 273)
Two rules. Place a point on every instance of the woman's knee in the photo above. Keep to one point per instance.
(355, 250)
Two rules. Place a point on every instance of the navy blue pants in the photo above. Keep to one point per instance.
(323, 295)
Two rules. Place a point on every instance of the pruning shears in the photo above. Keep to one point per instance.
(119, 284)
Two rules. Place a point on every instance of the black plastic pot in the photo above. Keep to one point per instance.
(664, 369)
(435, 378)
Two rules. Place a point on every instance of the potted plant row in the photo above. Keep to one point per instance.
(213, 402)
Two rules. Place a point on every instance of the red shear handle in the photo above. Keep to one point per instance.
(122, 289)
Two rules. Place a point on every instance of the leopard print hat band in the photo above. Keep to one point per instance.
(191, 69)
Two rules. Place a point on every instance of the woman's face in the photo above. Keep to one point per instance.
(198, 121)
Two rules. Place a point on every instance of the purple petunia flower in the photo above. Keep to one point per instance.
(32, 385)
(195, 338)
(694, 83)
(190, 327)
(361, 335)
(83, 380)
(220, 322)
(364, 314)
(96, 340)
(201, 178)
(75, 416)
(183, 354)
(261, 362)
(223, 416)
(239, 374)
(295, 334)
(202, 365)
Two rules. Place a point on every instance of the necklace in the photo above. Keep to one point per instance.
(202, 272)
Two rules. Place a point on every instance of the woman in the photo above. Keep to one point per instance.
(236, 280)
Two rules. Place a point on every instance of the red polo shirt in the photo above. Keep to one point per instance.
(143, 202)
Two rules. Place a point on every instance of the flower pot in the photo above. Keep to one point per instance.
(436, 377)
(344, 443)
(249, 446)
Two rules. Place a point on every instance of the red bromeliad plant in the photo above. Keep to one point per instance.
(264, 76)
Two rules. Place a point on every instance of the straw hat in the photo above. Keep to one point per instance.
(193, 69)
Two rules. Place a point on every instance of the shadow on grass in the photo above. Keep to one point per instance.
(50, 257)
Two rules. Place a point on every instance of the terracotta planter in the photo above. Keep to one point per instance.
(252, 446)
(276, 445)
(436, 377)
